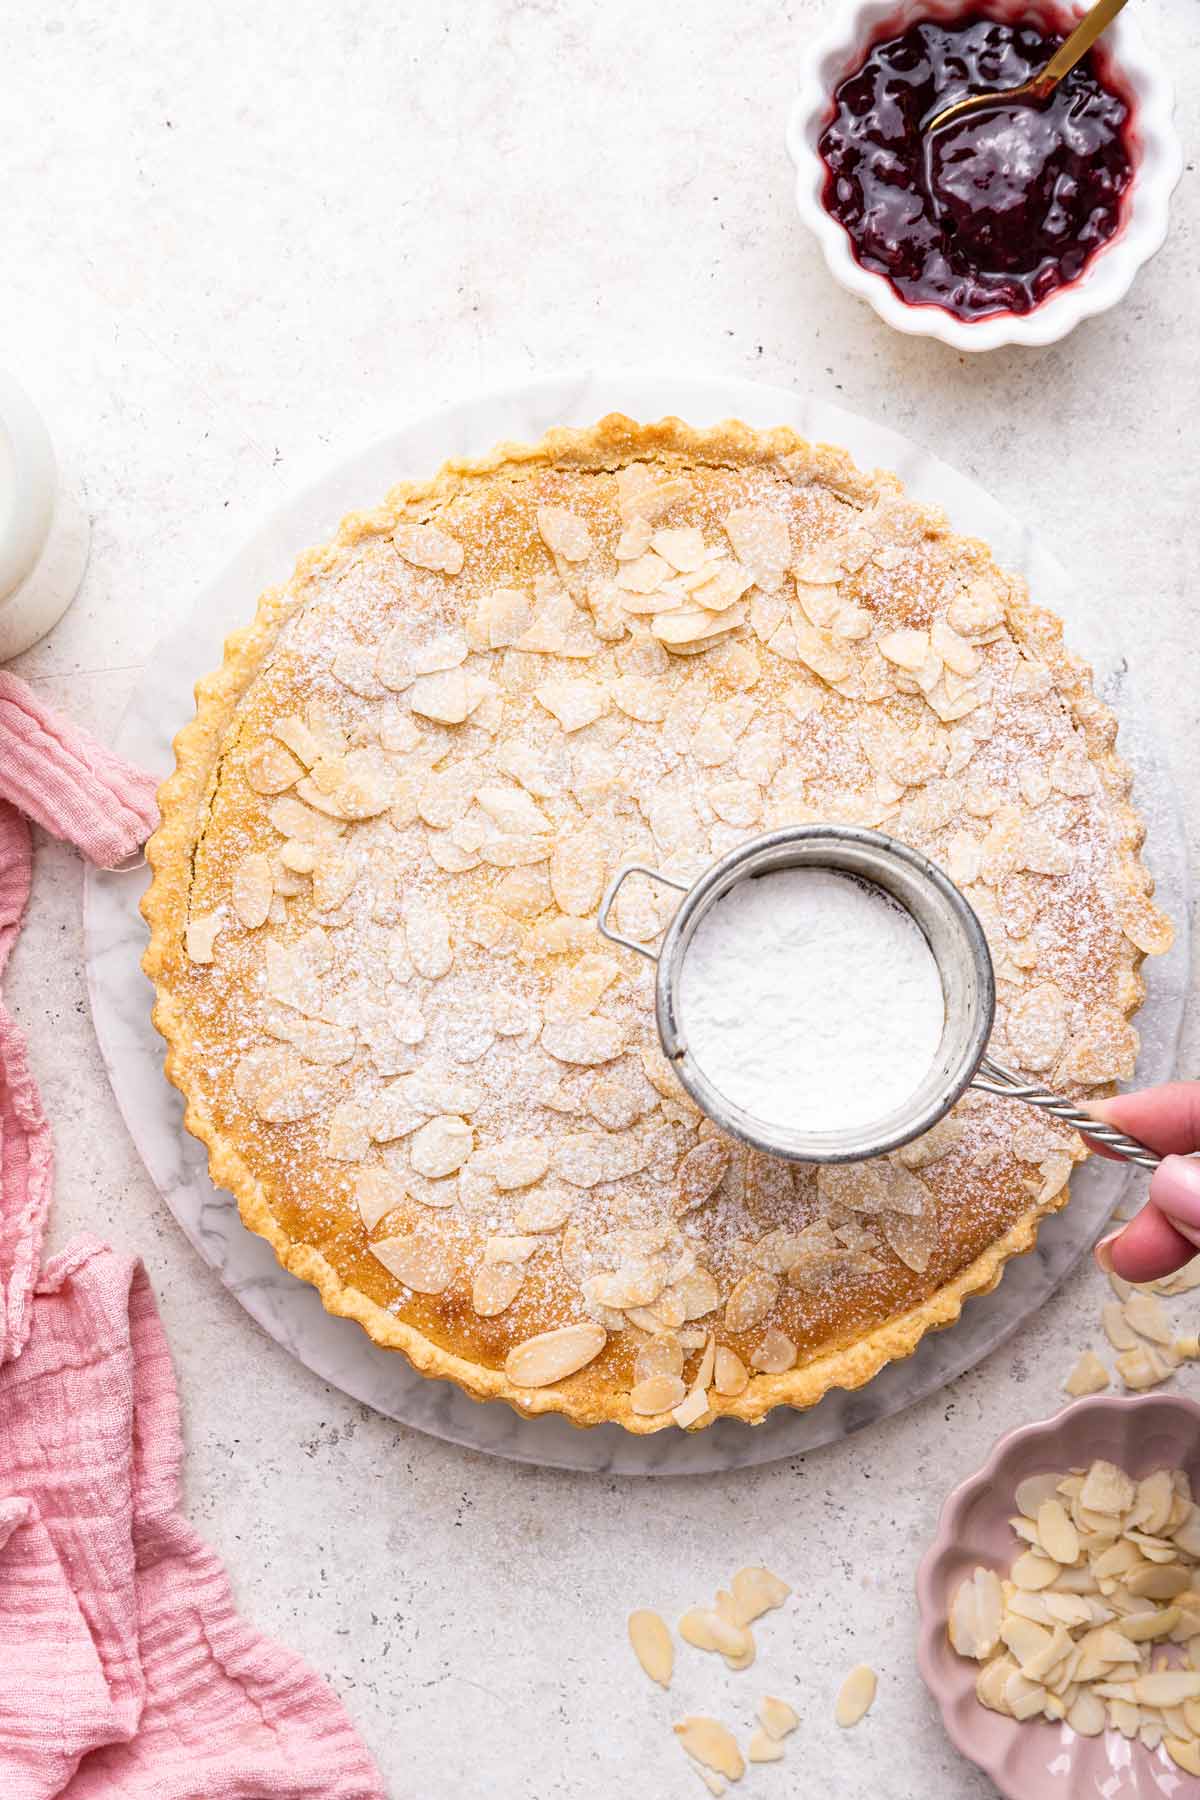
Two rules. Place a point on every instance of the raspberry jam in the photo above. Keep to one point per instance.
(992, 215)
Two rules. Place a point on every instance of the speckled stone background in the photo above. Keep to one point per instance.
(240, 240)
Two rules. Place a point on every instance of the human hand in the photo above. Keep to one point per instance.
(1166, 1233)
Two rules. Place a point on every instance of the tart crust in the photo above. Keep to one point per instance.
(844, 1358)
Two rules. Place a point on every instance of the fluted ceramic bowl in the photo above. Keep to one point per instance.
(1038, 1760)
(1124, 60)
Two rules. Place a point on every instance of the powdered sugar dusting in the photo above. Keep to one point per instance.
(811, 1000)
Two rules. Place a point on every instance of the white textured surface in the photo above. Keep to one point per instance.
(241, 240)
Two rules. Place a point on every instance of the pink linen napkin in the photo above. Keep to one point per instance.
(125, 1673)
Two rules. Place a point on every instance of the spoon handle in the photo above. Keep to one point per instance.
(994, 1078)
(1098, 19)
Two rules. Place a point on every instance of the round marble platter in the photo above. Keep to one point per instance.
(289, 1310)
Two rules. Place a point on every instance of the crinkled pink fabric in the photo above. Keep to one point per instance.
(125, 1673)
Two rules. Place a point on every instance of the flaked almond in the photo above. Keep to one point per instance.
(553, 1355)
(708, 1742)
(774, 1353)
(907, 649)
(1088, 1376)
(777, 1717)
(729, 1372)
(700, 1173)
(564, 532)
(588, 1041)
(376, 1193)
(574, 703)
(578, 864)
(855, 1696)
(271, 768)
(427, 547)
(657, 1394)
(201, 935)
(755, 1591)
(763, 1748)
(494, 1288)
(441, 1145)
(652, 1645)
(253, 888)
(420, 1260)
(750, 1300)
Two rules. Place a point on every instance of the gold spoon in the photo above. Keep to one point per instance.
(1038, 86)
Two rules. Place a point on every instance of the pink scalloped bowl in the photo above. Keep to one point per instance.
(1126, 62)
(1038, 1760)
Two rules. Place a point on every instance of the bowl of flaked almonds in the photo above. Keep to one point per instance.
(1060, 1605)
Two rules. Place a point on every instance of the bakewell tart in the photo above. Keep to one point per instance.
(431, 1085)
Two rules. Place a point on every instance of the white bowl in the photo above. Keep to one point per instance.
(1158, 165)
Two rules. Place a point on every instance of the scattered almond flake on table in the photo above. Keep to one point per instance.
(709, 1742)
(777, 1717)
(763, 1748)
(855, 1696)
(1088, 1376)
(652, 1645)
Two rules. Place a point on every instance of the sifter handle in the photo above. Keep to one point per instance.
(609, 900)
(994, 1078)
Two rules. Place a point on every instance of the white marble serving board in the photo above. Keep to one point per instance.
(288, 1309)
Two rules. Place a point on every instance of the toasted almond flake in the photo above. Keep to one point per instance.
(657, 1394)
(689, 626)
(376, 1193)
(271, 768)
(777, 1717)
(578, 865)
(354, 666)
(201, 935)
(635, 540)
(588, 1041)
(1088, 1376)
(774, 1354)
(420, 1260)
(551, 1356)
(494, 1288)
(855, 1696)
(574, 703)
(652, 1645)
(426, 547)
(564, 532)
(750, 1300)
(515, 1162)
(348, 1138)
(427, 933)
(907, 649)
(700, 1173)
(760, 540)
(445, 697)
(729, 1373)
(441, 1145)
(708, 1742)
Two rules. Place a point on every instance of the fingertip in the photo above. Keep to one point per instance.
(1145, 1249)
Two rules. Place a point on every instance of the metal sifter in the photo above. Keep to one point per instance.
(960, 951)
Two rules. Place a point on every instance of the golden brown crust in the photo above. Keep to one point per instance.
(185, 798)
